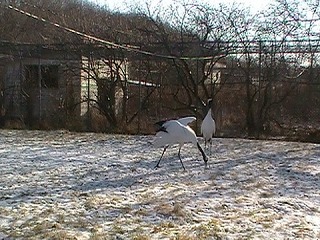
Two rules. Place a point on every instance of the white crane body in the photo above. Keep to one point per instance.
(208, 127)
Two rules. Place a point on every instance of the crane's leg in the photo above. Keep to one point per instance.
(165, 148)
(181, 159)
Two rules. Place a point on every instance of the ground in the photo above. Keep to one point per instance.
(62, 185)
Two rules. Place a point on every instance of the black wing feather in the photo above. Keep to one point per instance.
(159, 126)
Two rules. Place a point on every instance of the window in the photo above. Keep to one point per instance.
(49, 75)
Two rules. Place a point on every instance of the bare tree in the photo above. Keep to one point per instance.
(190, 36)
(271, 61)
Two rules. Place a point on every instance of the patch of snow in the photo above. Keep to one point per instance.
(93, 186)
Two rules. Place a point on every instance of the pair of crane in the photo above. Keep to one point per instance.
(170, 132)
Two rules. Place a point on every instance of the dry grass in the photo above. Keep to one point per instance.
(258, 191)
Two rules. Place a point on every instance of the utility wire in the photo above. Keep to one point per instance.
(112, 44)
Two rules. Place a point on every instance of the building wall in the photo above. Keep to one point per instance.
(24, 98)
(12, 90)
(33, 101)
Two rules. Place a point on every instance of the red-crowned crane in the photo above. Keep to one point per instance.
(170, 132)
(208, 126)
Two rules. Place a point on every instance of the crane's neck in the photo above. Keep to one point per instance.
(209, 112)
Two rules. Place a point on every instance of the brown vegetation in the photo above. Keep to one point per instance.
(264, 89)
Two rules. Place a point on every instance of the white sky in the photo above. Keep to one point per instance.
(255, 5)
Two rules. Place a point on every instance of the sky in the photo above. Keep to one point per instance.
(254, 5)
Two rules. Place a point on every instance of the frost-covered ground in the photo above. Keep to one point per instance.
(61, 185)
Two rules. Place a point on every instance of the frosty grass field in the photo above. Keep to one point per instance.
(62, 185)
